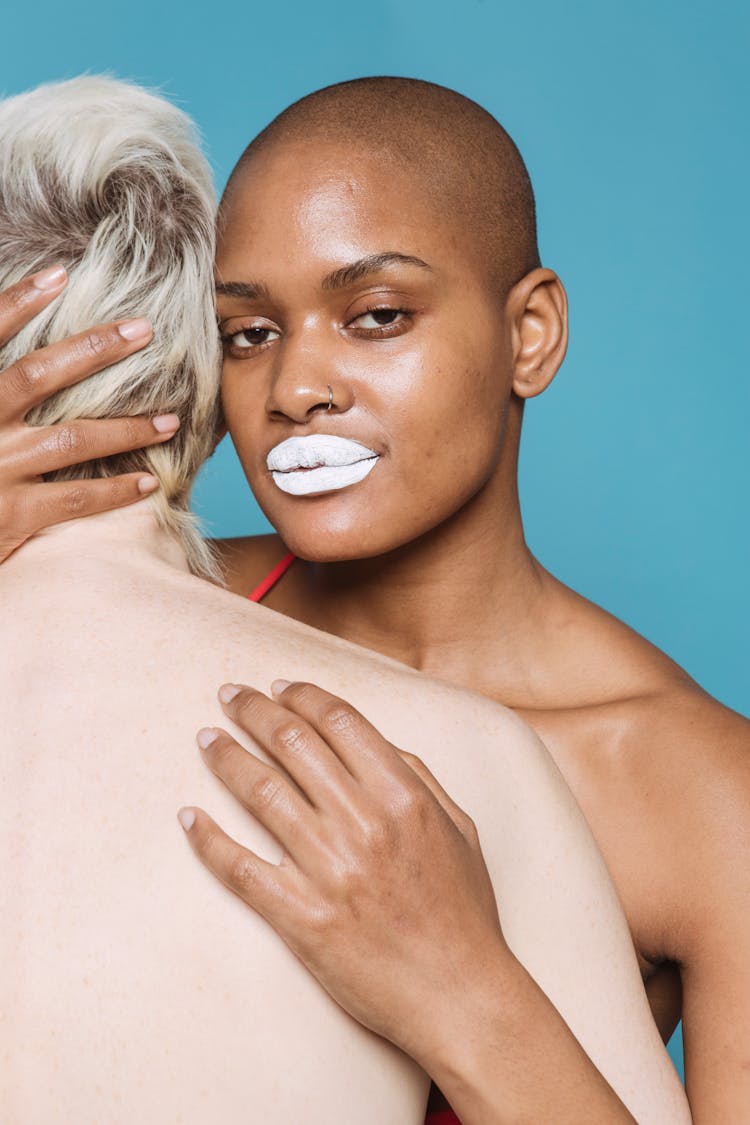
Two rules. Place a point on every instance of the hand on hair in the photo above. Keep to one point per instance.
(27, 503)
(382, 892)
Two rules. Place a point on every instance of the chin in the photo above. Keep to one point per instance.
(319, 530)
(325, 545)
(346, 526)
(322, 541)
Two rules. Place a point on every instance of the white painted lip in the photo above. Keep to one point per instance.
(317, 463)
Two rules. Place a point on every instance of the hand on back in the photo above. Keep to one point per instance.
(383, 892)
(27, 502)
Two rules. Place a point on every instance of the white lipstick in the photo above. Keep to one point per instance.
(316, 463)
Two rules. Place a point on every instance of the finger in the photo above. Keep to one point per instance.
(263, 791)
(44, 449)
(293, 743)
(35, 377)
(261, 885)
(57, 501)
(460, 818)
(21, 302)
(355, 741)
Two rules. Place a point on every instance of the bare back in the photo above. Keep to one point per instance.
(157, 995)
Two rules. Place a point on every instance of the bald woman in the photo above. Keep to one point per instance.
(385, 317)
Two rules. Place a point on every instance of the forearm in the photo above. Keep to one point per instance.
(506, 1057)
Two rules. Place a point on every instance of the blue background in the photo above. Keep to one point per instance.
(632, 117)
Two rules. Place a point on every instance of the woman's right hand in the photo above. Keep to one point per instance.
(27, 502)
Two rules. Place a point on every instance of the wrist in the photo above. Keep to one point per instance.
(463, 1053)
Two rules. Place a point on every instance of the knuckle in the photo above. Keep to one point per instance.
(15, 299)
(412, 803)
(266, 791)
(377, 834)
(25, 375)
(75, 500)
(339, 718)
(345, 874)
(300, 694)
(221, 754)
(121, 489)
(290, 739)
(136, 432)
(96, 343)
(70, 439)
(319, 921)
(243, 873)
(248, 706)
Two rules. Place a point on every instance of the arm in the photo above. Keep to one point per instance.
(385, 897)
(28, 504)
(708, 827)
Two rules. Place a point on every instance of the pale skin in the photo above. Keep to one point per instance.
(621, 720)
(136, 988)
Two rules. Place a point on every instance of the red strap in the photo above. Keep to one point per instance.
(272, 578)
(442, 1117)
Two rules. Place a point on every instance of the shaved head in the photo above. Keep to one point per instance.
(455, 153)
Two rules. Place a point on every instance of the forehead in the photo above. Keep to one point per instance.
(330, 202)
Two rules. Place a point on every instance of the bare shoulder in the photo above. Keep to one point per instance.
(246, 561)
(670, 804)
(660, 768)
(695, 753)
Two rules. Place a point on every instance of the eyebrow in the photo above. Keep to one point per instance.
(356, 271)
(251, 290)
(338, 279)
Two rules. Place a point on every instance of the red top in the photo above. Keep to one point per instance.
(442, 1117)
(272, 578)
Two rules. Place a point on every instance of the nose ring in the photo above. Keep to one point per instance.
(330, 397)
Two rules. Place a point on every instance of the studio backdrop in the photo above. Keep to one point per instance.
(632, 117)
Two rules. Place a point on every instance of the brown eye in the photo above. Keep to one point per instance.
(248, 338)
(379, 318)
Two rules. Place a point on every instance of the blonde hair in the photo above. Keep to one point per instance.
(109, 180)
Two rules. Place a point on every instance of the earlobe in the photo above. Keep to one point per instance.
(538, 308)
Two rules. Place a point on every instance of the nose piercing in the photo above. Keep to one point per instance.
(330, 397)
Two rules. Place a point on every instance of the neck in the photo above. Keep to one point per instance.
(458, 603)
(128, 536)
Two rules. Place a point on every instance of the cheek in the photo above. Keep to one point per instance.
(450, 437)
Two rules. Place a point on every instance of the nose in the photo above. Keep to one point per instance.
(305, 384)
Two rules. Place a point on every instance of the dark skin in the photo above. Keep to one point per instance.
(448, 586)
(501, 1028)
(28, 503)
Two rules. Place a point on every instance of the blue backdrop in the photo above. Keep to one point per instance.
(633, 119)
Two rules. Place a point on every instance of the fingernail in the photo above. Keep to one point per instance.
(186, 818)
(228, 692)
(137, 329)
(165, 423)
(206, 736)
(147, 484)
(278, 686)
(50, 279)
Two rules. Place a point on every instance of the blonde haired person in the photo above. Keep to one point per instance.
(134, 986)
(113, 184)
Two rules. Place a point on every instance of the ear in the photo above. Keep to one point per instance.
(538, 310)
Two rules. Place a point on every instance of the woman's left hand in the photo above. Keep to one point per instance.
(382, 891)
